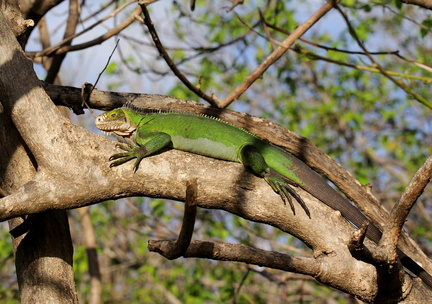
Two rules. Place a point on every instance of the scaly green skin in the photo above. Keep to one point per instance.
(201, 135)
(151, 132)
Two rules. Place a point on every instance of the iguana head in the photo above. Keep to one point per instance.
(116, 122)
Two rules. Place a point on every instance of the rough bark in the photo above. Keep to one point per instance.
(422, 3)
(42, 244)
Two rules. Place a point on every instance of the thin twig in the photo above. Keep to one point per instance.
(273, 57)
(403, 16)
(359, 67)
(421, 65)
(314, 56)
(238, 289)
(213, 100)
(378, 66)
(60, 48)
(106, 65)
(84, 95)
(233, 6)
(99, 11)
(266, 30)
(325, 47)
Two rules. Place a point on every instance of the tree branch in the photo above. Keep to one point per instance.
(399, 213)
(324, 269)
(400, 84)
(273, 57)
(175, 249)
(55, 141)
(62, 47)
(89, 239)
(422, 3)
(270, 131)
(213, 100)
(71, 23)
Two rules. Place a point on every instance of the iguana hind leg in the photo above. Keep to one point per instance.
(148, 144)
(250, 157)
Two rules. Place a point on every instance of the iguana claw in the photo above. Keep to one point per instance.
(133, 151)
(280, 186)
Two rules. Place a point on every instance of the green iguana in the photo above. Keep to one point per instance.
(148, 132)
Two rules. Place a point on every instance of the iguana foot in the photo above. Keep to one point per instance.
(132, 151)
(280, 186)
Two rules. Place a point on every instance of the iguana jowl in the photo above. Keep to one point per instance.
(149, 132)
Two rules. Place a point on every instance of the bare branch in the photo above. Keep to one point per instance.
(266, 30)
(325, 47)
(175, 249)
(84, 86)
(89, 238)
(233, 6)
(213, 100)
(71, 24)
(273, 57)
(62, 47)
(399, 83)
(422, 3)
(399, 213)
(323, 269)
(314, 56)
(247, 254)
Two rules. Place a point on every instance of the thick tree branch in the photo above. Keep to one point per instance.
(323, 269)
(422, 3)
(270, 131)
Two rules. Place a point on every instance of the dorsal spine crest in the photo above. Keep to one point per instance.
(129, 105)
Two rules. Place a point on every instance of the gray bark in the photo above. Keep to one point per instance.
(42, 244)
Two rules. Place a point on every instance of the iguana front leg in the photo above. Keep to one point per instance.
(251, 157)
(146, 144)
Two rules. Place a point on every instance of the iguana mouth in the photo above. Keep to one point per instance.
(121, 128)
